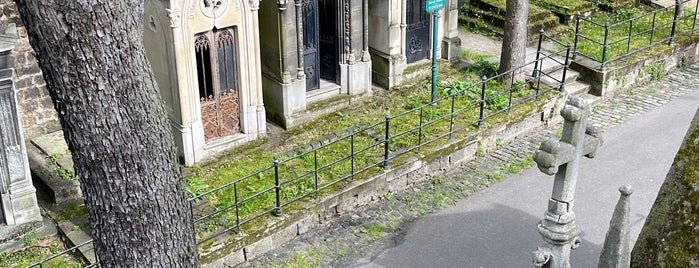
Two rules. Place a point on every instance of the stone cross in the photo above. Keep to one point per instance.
(562, 158)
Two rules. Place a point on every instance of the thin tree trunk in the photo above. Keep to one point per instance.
(514, 40)
(92, 57)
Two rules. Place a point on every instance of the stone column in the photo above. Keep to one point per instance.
(451, 43)
(17, 193)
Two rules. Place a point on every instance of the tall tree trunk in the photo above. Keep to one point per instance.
(670, 236)
(514, 40)
(92, 57)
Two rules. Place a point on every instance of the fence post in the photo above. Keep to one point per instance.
(419, 131)
(352, 152)
(694, 20)
(565, 68)
(451, 115)
(386, 140)
(577, 28)
(628, 38)
(482, 102)
(535, 73)
(604, 46)
(315, 170)
(678, 7)
(278, 210)
(652, 28)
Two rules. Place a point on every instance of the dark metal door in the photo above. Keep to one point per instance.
(417, 38)
(310, 44)
(328, 39)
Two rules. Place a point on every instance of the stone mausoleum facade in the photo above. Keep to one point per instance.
(224, 67)
(314, 50)
(401, 35)
(205, 57)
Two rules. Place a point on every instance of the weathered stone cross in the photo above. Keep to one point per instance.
(562, 158)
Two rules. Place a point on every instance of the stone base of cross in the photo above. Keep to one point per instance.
(562, 158)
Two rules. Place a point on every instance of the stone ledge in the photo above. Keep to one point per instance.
(39, 152)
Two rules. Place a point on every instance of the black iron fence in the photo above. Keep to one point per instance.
(640, 33)
(70, 257)
(304, 175)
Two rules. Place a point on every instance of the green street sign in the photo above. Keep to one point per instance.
(433, 5)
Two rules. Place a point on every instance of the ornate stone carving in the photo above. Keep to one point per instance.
(175, 17)
(347, 30)
(213, 8)
(254, 5)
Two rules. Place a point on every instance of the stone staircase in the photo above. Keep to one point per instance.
(489, 16)
(551, 75)
(60, 195)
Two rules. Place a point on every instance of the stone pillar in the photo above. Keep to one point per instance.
(17, 194)
(386, 41)
(451, 43)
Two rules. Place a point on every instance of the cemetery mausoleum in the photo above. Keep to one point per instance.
(204, 55)
(401, 35)
(224, 67)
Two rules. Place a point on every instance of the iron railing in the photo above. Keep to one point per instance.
(666, 24)
(73, 252)
(305, 174)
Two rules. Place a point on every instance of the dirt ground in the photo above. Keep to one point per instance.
(480, 44)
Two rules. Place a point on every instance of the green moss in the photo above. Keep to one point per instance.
(669, 237)
(71, 211)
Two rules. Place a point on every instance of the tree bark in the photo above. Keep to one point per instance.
(670, 236)
(514, 40)
(92, 57)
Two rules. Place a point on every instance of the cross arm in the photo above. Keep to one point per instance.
(553, 153)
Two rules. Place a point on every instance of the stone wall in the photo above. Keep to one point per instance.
(36, 107)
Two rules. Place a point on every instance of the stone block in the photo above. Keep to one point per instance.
(411, 165)
(258, 248)
(464, 154)
(398, 184)
(286, 234)
(230, 260)
(307, 223)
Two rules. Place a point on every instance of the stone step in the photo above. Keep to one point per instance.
(489, 15)
(48, 173)
(554, 78)
(577, 88)
(591, 99)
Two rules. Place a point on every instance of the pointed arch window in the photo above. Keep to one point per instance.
(217, 74)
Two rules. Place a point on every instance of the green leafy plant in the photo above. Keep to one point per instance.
(485, 68)
(30, 238)
(373, 230)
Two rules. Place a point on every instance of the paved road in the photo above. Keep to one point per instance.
(496, 227)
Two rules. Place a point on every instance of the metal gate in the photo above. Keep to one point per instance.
(320, 50)
(417, 38)
(310, 44)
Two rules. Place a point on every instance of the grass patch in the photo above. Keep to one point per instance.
(629, 31)
(36, 250)
(349, 145)
(374, 230)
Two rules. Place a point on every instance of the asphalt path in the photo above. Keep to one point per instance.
(496, 227)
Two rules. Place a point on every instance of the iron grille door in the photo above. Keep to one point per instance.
(417, 38)
(310, 44)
